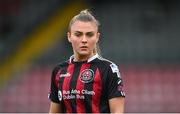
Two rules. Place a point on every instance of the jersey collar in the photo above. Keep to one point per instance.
(89, 60)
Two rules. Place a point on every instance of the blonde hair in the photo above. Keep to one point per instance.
(86, 16)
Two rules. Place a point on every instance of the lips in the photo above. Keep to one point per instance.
(83, 47)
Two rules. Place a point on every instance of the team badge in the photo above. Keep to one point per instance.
(87, 76)
(59, 95)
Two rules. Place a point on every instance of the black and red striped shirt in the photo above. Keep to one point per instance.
(86, 86)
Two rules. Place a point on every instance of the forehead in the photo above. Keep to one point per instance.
(84, 26)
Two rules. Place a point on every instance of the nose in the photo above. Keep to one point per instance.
(84, 39)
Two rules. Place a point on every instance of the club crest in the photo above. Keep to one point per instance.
(87, 76)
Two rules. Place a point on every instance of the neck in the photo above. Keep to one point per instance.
(82, 57)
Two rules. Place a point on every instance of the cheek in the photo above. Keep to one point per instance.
(74, 43)
(93, 43)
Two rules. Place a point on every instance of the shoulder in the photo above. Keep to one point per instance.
(57, 69)
(108, 64)
(112, 68)
(60, 65)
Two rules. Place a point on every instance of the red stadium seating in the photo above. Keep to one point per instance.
(149, 88)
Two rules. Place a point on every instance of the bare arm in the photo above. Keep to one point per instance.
(54, 108)
(116, 105)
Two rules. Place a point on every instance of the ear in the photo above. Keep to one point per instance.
(69, 36)
(98, 34)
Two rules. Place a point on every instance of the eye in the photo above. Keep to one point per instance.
(90, 34)
(78, 34)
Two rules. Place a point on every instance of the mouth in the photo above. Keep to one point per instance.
(83, 47)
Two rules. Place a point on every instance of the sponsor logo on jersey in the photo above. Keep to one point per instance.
(87, 76)
(115, 69)
(65, 75)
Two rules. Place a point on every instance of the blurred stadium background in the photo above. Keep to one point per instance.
(142, 36)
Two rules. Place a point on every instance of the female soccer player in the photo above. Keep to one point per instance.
(86, 83)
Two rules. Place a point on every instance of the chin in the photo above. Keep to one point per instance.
(84, 53)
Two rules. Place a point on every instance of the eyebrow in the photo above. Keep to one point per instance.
(90, 33)
(86, 32)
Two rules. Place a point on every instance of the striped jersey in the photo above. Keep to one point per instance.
(87, 86)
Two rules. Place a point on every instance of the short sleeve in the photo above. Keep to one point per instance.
(53, 94)
(114, 82)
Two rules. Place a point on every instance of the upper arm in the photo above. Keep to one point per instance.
(55, 108)
(116, 94)
(53, 94)
(116, 105)
(114, 82)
